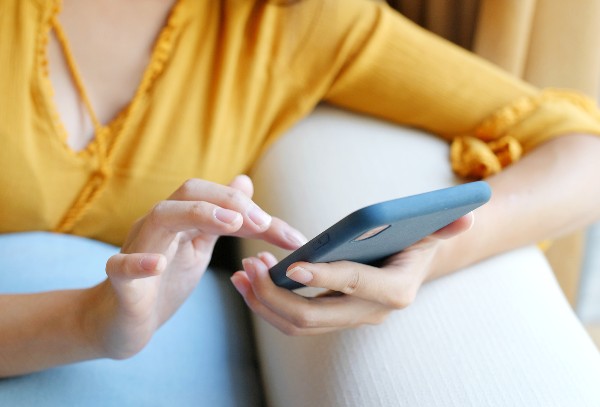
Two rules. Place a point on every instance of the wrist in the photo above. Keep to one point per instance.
(94, 319)
(111, 327)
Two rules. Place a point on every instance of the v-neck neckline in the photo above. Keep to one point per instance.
(96, 157)
(110, 132)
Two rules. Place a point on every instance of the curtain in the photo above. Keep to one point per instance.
(453, 19)
(550, 43)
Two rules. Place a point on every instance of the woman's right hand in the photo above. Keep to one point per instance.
(166, 254)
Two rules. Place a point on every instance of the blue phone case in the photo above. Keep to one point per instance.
(375, 232)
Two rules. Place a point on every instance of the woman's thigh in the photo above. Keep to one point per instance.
(202, 356)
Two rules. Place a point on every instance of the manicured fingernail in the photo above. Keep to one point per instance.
(239, 286)
(249, 268)
(267, 258)
(295, 237)
(226, 215)
(153, 262)
(300, 274)
(258, 216)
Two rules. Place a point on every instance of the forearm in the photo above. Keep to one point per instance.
(551, 191)
(39, 331)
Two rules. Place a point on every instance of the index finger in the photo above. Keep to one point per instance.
(255, 219)
(279, 233)
(237, 197)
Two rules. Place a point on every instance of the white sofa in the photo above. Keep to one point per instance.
(334, 162)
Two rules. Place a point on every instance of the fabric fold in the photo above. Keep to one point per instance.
(503, 137)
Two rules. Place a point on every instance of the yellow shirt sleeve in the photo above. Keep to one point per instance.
(389, 67)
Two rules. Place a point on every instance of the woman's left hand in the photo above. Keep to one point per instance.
(360, 294)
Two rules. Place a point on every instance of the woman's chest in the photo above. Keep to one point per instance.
(205, 108)
(97, 54)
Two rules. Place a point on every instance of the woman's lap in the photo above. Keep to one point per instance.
(202, 356)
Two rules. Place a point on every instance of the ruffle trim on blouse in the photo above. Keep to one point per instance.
(490, 148)
(107, 137)
(50, 9)
(164, 45)
(43, 38)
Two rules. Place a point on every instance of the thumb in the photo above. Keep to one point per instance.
(135, 265)
(457, 227)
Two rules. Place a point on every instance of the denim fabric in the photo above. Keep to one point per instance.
(203, 356)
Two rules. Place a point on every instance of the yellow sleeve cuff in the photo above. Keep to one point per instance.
(503, 137)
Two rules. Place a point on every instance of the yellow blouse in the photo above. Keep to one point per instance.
(228, 77)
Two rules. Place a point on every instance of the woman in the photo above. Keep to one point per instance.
(98, 148)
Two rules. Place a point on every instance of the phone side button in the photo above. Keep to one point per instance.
(321, 241)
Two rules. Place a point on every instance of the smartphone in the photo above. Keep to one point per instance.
(373, 233)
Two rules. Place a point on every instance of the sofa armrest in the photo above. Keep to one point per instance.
(334, 162)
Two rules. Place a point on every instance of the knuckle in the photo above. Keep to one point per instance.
(121, 265)
(156, 214)
(196, 210)
(353, 283)
(111, 264)
(237, 198)
(305, 319)
(189, 186)
(401, 300)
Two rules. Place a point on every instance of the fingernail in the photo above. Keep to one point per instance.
(267, 258)
(226, 215)
(249, 268)
(295, 237)
(300, 275)
(153, 262)
(258, 216)
(241, 288)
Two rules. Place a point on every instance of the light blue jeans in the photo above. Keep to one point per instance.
(203, 356)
